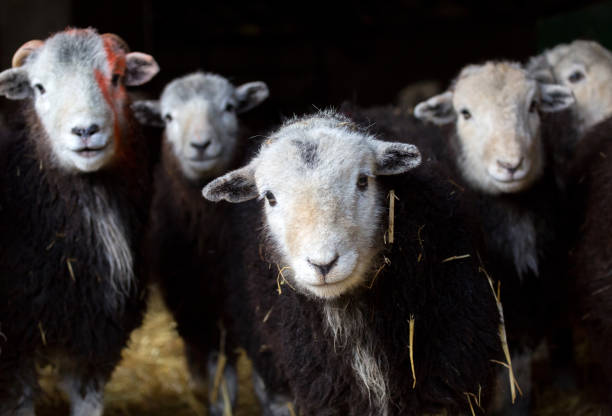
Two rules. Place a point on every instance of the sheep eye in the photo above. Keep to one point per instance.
(362, 182)
(466, 114)
(40, 88)
(575, 77)
(168, 117)
(115, 79)
(229, 107)
(271, 199)
(533, 106)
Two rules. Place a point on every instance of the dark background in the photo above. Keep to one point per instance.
(315, 53)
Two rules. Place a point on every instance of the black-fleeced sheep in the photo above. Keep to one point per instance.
(496, 142)
(75, 192)
(322, 299)
(187, 234)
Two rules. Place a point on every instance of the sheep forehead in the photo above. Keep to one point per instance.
(493, 85)
(584, 52)
(71, 51)
(208, 87)
(314, 154)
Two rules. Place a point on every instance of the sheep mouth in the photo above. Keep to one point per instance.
(88, 152)
(200, 159)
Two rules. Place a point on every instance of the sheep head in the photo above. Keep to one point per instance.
(586, 68)
(323, 206)
(76, 80)
(495, 108)
(199, 113)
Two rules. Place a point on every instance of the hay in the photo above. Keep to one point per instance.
(280, 279)
(411, 349)
(453, 258)
(514, 386)
(420, 256)
(43, 336)
(386, 262)
(391, 230)
(70, 270)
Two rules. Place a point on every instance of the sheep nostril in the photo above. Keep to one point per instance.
(85, 132)
(200, 146)
(324, 269)
(93, 129)
(509, 166)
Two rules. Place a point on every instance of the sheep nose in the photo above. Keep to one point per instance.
(85, 132)
(324, 268)
(200, 146)
(509, 166)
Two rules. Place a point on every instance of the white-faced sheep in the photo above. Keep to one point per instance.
(75, 192)
(493, 126)
(586, 68)
(335, 315)
(201, 141)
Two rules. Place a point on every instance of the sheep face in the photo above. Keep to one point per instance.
(495, 111)
(199, 112)
(322, 202)
(76, 80)
(586, 68)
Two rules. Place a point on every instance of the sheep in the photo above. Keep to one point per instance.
(586, 68)
(201, 141)
(324, 300)
(75, 195)
(590, 260)
(491, 118)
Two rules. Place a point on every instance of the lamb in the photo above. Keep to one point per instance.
(590, 260)
(324, 292)
(491, 117)
(201, 140)
(75, 195)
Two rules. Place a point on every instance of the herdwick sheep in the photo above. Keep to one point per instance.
(586, 68)
(75, 191)
(336, 315)
(492, 119)
(201, 141)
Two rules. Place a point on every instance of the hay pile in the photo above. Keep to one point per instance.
(152, 379)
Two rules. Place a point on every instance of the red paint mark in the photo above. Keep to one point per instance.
(115, 96)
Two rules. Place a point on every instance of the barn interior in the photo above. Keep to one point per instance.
(312, 55)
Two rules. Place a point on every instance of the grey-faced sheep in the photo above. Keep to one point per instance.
(75, 192)
(492, 119)
(186, 236)
(591, 256)
(335, 318)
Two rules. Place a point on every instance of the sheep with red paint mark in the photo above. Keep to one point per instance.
(75, 199)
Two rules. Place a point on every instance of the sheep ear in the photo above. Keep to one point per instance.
(235, 186)
(554, 97)
(438, 109)
(148, 113)
(393, 158)
(250, 95)
(140, 68)
(540, 69)
(15, 84)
